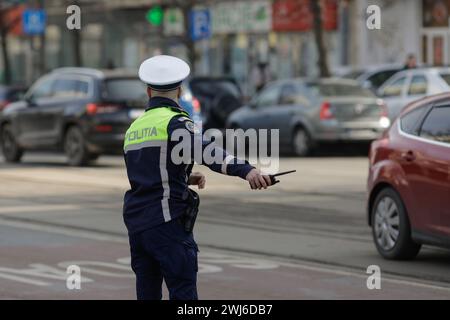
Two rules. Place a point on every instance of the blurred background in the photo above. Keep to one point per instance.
(234, 38)
(315, 70)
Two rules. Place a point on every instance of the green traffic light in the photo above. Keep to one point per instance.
(155, 16)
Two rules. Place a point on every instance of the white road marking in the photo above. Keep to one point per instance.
(120, 239)
(39, 208)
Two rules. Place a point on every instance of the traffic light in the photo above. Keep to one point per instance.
(155, 16)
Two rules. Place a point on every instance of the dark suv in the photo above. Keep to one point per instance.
(84, 112)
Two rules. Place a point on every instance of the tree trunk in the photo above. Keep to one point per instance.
(318, 35)
(77, 48)
(76, 40)
(4, 46)
(5, 55)
(190, 45)
(42, 40)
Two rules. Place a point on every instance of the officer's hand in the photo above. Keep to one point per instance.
(258, 180)
(197, 179)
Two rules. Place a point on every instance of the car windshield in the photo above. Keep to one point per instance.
(211, 87)
(339, 90)
(446, 77)
(125, 89)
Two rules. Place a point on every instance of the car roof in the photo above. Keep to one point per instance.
(330, 80)
(97, 73)
(433, 70)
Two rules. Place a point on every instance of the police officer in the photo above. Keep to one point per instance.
(154, 207)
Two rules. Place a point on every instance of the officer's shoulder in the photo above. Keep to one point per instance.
(183, 119)
(182, 122)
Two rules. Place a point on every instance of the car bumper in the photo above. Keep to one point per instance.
(111, 143)
(352, 132)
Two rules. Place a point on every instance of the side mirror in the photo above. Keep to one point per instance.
(30, 101)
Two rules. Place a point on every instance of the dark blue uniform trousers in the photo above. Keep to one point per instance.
(165, 252)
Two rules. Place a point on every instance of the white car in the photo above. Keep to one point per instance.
(373, 77)
(409, 85)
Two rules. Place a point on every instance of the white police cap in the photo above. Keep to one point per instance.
(163, 73)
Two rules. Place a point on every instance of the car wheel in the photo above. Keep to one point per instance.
(301, 143)
(391, 228)
(10, 148)
(75, 147)
(94, 156)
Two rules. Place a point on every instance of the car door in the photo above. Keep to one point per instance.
(434, 159)
(418, 88)
(292, 104)
(262, 107)
(68, 91)
(28, 124)
(394, 94)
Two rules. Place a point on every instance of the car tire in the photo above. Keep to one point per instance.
(75, 147)
(391, 229)
(10, 148)
(301, 143)
(94, 157)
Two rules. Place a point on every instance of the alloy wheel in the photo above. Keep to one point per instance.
(387, 223)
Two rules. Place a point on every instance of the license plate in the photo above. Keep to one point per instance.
(136, 113)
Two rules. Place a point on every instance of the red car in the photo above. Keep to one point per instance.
(409, 180)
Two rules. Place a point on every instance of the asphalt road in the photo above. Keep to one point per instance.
(305, 238)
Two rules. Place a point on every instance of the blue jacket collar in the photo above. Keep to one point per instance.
(158, 102)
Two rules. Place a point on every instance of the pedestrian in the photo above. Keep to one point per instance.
(411, 62)
(157, 208)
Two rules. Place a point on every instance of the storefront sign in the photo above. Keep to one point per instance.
(34, 21)
(295, 15)
(173, 24)
(241, 16)
(13, 17)
(435, 13)
(200, 24)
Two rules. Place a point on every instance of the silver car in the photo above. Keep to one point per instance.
(409, 85)
(373, 77)
(308, 112)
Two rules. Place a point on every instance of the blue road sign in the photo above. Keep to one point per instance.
(34, 21)
(200, 24)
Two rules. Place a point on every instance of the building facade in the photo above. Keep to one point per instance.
(244, 35)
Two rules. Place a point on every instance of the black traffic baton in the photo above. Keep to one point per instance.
(273, 178)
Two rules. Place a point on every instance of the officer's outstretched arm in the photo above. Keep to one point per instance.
(189, 146)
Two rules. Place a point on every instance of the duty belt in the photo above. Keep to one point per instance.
(193, 200)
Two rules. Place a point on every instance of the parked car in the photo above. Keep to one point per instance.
(409, 85)
(373, 77)
(10, 94)
(218, 98)
(309, 112)
(84, 112)
(409, 180)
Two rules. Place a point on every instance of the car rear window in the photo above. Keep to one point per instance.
(125, 89)
(446, 77)
(437, 125)
(409, 122)
(211, 87)
(340, 90)
(381, 77)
